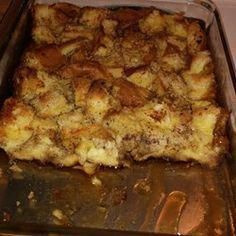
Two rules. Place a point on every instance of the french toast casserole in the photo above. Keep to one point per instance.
(98, 86)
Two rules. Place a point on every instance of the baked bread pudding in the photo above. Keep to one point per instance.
(99, 86)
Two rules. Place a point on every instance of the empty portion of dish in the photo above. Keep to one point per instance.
(97, 86)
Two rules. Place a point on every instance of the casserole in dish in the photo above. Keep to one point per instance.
(146, 197)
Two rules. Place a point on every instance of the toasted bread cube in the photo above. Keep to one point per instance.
(92, 17)
(15, 119)
(152, 24)
(51, 103)
(196, 38)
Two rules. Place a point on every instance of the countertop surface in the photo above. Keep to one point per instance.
(227, 9)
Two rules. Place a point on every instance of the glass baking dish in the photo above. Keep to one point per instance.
(151, 198)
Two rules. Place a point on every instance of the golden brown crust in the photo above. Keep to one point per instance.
(196, 39)
(81, 87)
(15, 121)
(92, 69)
(127, 17)
(133, 57)
(129, 94)
(68, 9)
(46, 57)
(98, 84)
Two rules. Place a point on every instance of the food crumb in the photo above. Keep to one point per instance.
(17, 203)
(19, 210)
(102, 209)
(6, 216)
(60, 218)
(96, 181)
(119, 195)
(31, 195)
(15, 168)
(142, 186)
(58, 214)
